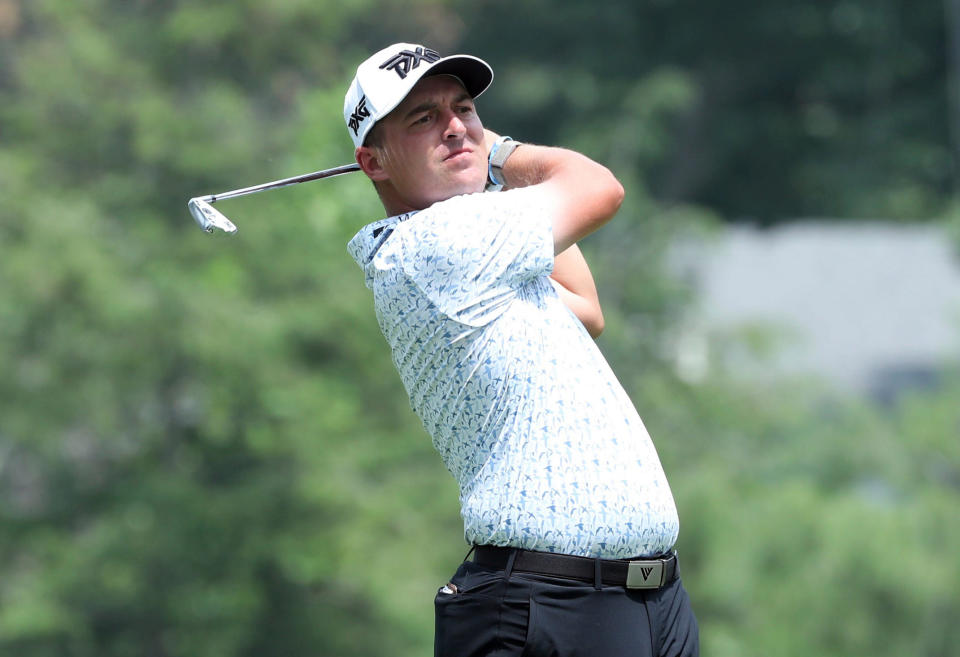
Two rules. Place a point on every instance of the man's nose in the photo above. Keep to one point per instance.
(454, 127)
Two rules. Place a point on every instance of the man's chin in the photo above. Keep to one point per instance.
(467, 185)
(472, 189)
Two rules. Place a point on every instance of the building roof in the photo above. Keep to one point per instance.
(853, 303)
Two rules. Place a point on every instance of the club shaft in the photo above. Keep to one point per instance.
(307, 177)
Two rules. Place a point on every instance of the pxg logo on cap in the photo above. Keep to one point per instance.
(402, 62)
(385, 79)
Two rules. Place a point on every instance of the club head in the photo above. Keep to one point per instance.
(209, 218)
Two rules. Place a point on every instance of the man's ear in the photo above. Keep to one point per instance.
(370, 160)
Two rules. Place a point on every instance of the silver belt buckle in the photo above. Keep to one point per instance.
(644, 574)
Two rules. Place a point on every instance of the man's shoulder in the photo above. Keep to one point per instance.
(464, 224)
(484, 200)
(368, 240)
(488, 209)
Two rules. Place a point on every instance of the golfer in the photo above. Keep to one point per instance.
(489, 309)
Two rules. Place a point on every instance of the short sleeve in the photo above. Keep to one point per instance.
(470, 255)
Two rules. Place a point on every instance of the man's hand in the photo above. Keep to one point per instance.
(490, 136)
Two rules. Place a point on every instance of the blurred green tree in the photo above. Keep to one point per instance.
(203, 446)
(834, 108)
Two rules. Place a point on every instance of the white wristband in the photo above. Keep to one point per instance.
(502, 148)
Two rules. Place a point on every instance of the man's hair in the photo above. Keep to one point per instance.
(374, 138)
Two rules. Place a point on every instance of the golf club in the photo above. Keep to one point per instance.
(201, 207)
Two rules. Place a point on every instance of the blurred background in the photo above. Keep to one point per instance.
(205, 450)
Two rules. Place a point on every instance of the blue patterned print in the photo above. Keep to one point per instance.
(547, 448)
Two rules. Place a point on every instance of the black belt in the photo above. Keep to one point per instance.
(631, 573)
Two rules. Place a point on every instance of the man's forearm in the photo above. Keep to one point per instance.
(574, 283)
(531, 171)
(581, 194)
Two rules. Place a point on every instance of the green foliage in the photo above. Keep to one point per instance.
(196, 435)
(793, 109)
(204, 449)
(818, 528)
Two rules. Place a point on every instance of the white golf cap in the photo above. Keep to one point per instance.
(385, 79)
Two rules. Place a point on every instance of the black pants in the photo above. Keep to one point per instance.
(490, 614)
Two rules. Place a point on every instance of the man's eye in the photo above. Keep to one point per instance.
(422, 120)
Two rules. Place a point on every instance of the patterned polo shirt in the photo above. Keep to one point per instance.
(547, 448)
